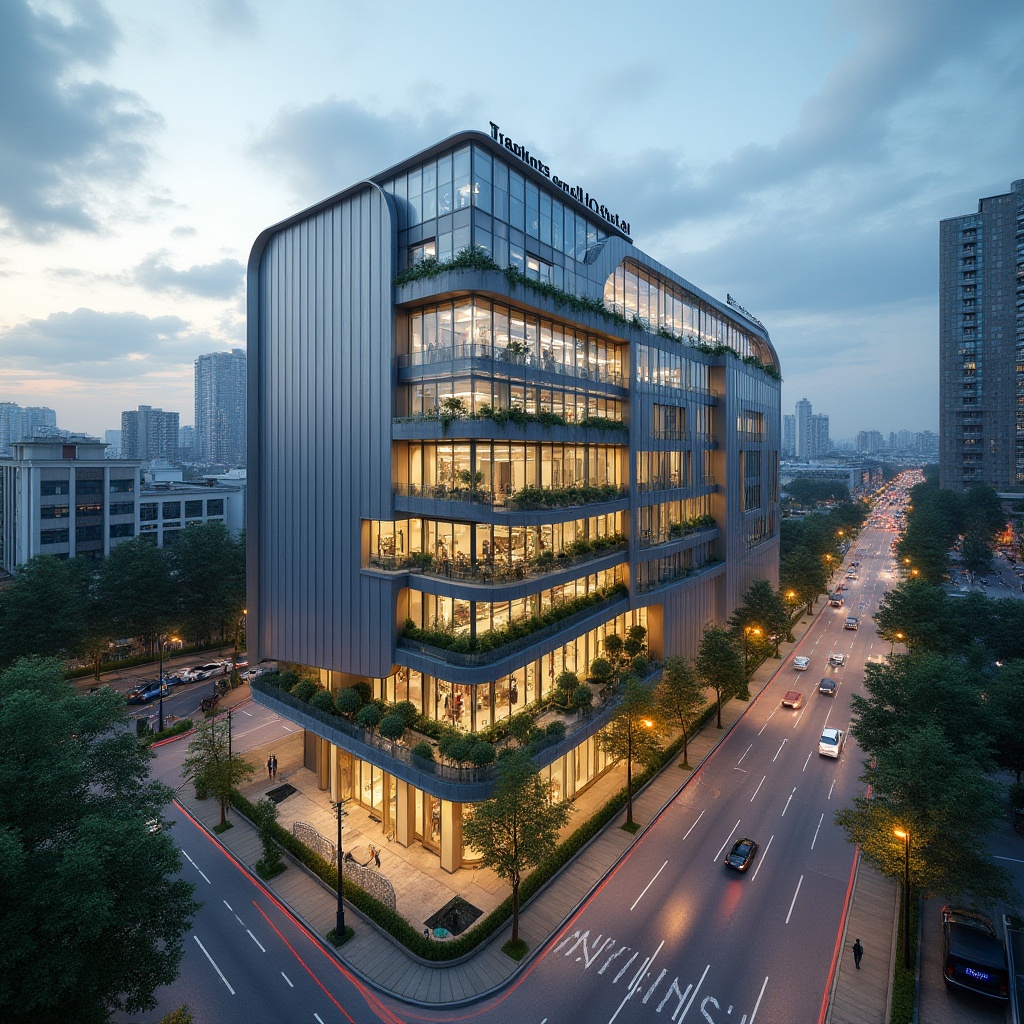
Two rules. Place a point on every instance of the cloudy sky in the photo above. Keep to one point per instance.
(797, 154)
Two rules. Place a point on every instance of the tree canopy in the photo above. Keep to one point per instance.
(75, 797)
(719, 666)
(680, 698)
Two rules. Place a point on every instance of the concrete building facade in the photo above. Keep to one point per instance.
(148, 433)
(485, 433)
(220, 412)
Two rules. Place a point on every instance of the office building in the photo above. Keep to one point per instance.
(869, 441)
(112, 439)
(220, 408)
(187, 444)
(148, 433)
(981, 344)
(804, 437)
(497, 433)
(788, 436)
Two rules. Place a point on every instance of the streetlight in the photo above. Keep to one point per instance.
(904, 834)
(755, 630)
(162, 642)
(339, 925)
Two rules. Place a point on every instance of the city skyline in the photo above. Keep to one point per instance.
(814, 202)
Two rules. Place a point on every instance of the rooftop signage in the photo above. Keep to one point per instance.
(573, 191)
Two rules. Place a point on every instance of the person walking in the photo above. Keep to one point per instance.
(858, 952)
(270, 767)
(376, 856)
(273, 766)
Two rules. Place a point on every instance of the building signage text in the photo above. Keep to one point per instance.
(573, 191)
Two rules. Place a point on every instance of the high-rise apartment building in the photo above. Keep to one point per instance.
(468, 471)
(17, 423)
(981, 344)
(804, 437)
(788, 436)
(820, 442)
(112, 439)
(148, 433)
(221, 408)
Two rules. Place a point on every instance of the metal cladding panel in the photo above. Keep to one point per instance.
(323, 425)
(688, 611)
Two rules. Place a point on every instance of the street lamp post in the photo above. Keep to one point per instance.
(904, 834)
(339, 925)
(162, 642)
(746, 631)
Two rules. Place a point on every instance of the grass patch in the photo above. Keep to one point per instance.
(631, 827)
(220, 829)
(267, 871)
(337, 940)
(516, 950)
(903, 979)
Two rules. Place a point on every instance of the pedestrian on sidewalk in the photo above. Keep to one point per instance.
(273, 766)
(858, 952)
(270, 767)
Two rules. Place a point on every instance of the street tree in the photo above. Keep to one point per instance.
(762, 608)
(135, 587)
(720, 667)
(805, 574)
(80, 944)
(918, 611)
(633, 734)
(1006, 706)
(212, 767)
(518, 827)
(209, 578)
(681, 698)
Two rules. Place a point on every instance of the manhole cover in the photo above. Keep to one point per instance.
(455, 916)
(281, 793)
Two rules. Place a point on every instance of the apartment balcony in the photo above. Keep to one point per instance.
(437, 428)
(676, 534)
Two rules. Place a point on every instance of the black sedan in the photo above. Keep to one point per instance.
(742, 854)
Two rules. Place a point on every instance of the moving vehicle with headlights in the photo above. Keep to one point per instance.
(837, 658)
(827, 686)
(800, 663)
(836, 600)
(741, 855)
(852, 622)
(831, 742)
(145, 692)
(792, 699)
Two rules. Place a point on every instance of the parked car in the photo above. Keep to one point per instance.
(800, 663)
(831, 742)
(208, 671)
(828, 687)
(973, 957)
(837, 658)
(145, 692)
(792, 699)
(741, 855)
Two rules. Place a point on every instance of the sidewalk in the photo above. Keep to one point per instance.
(381, 961)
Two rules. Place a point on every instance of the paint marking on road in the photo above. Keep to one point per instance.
(257, 941)
(648, 885)
(726, 843)
(786, 808)
(248, 713)
(759, 785)
(830, 788)
(637, 979)
(694, 825)
(320, 1019)
(798, 717)
(745, 752)
(695, 991)
(761, 861)
(779, 751)
(215, 967)
(793, 904)
(286, 978)
(196, 866)
(1015, 860)
(766, 721)
(228, 905)
(239, 920)
(817, 830)
(286, 729)
(809, 752)
(758, 1003)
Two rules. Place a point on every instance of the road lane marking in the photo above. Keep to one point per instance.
(766, 721)
(637, 979)
(696, 990)
(784, 809)
(215, 967)
(257, 941)
(196, 866)
(761, 861)
(830, 788)
(228, 905)
(648, 885)
(286, 978)
(1015, 860)
(817, 830)
(798, 717)
(808, 759)
(757, 1004)
(745, 752)
(320, 1019)
(759, 785)
(793, 904)
(286, 729)
(779, 751)
(694, 825)
(726, 843)
(249, 713)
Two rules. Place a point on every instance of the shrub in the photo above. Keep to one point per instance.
(407, 710)
(348, 701)
(370, 716)
(304, 690)
(481, 753)
(582, 698)
(392, 726)
(424, 751)
(364, 689)
(323, 700)
(566, 682)
(519, 726)
(555, 729)
(601, 669)
(641, 666)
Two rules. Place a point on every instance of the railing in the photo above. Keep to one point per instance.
(651, 538)
(674, 575)
(507, 499)
(509, 357)
(459, 568)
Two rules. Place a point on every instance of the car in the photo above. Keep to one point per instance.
(852, 574)
(973, 957)
(836, 600)
(827, 686)
(742, 853)
(800, 663)
(837, 658)
(153, 826)
(854, 565)
(143, 693)
(208, 671)
(831, 742)
(174, 680)
(792, 699)
(852, 622)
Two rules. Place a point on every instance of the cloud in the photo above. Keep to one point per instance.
(231, 18)
(90, 342)
(325, 147)
(65, 139)
(221, 280)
